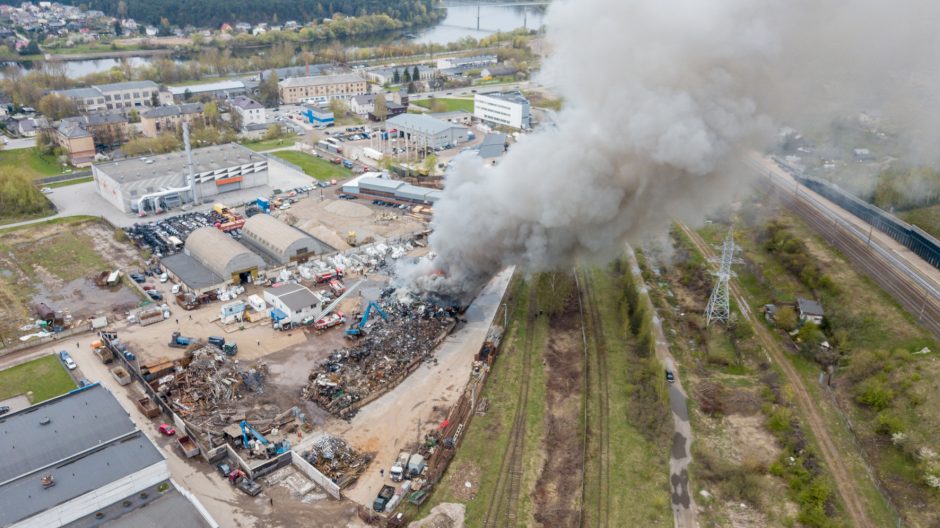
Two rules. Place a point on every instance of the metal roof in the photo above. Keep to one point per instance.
(246, 103)
(171, 508)
(80, 93)
(128, 85)
(513, 96)
(220, 253)
(208, 87)
(295, 296)
(277, 237)
(420, 123)
(809, 307)
(493, 146)
(80, 473)
(173, 110)
(190, 271)
(317, 80)
(205, 159)
(380, 184)
(77, 421)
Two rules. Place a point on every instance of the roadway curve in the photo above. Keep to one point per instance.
(831, 455)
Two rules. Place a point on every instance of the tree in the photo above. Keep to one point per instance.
(56, 107)
(133, 116)
(187, 95)
(412, 88)
(381, 107)
(786, 318)
(406, 77)
(430, 163)
(31, 48)
(122, 9)
(415, 74)
(338, 107)
(118, 31)
(396, 77)
(274, 132)
(267, 91)
(211, 111)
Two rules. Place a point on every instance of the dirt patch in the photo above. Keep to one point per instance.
(445, 515)
(557, 488)
(348, 209)
(750, 439)
(457, 478)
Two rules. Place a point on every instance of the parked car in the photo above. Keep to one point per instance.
(148, 287)
(46, 190)
(670, 377)
(176, 288)
(164, 277)
(4, 409)
(167, 429)
(155, 295)
(138, 278)
(67, 359)
(83, 383)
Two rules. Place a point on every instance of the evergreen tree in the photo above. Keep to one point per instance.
(396, 77)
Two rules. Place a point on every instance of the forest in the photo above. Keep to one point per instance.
(213, 13)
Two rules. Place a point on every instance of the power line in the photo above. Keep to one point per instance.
(718, 309)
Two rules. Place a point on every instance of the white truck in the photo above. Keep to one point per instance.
(415, 465)
(371, 153)
(398, 468)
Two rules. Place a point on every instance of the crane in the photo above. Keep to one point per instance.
(273, 449)
(357, 330)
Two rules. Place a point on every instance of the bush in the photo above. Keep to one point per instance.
(19, 197)
(888, 424)
(873, 393)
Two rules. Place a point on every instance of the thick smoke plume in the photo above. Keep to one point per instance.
(661, 100)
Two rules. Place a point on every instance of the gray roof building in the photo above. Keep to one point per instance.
(493, 146)
(223, 256)
(283, 242)
(318, 80)
(246, 103)
(173, 110)
(190, 272)
(427, 131)
(295, 297)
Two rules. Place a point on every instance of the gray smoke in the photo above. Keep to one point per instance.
(661, 99)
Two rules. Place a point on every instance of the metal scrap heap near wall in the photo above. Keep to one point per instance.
(390, 350)
(337, 460)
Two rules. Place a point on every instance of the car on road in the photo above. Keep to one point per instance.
(155, 295)
(4, 409)
(46, 190)
(670, 377)
(67, 359)
(83, 383)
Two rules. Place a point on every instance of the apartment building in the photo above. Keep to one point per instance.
(342, 86)
(160, 119)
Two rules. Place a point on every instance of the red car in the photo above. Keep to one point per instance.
(167, 429)
(336, 161)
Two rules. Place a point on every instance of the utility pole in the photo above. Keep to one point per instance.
(478, 16)
(718, 308)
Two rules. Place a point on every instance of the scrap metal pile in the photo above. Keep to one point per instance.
(389, 351)
(337, 460)
(209, 386)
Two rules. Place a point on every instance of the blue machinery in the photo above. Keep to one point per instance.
(356, 331)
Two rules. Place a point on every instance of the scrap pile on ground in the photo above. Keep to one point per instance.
(337, 460)
(207, 384)
(389, 351)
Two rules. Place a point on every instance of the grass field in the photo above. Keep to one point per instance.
(926, 218)
(45, 377)
(66, 183)
(313, 166)
(267, 144)
(31, 162)
(452, 105)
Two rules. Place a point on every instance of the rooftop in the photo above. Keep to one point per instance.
(317, 80)
(514, 96)
(279, 235)
(170, 506)
(173, 110)
(246, 103)
(421, 123)
(295, 296)
(493, 146)
(220, 86)
(808, 307)
(190, 271)
(205, 159)
(128, 85)
(80, 93)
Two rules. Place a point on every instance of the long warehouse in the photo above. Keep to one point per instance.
(223, 256)
(282, 242)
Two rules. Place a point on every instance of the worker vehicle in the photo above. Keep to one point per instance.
(272, 449)
(397, 472)
(167, 429)
(67, 359)
(328, 275)
(331, 320)
(249, 486)
(385, 495)
(359, 330)
(176, 288)
(337, 287)
(415, 465)
(670, 377)
(4, 409)
(148, 287)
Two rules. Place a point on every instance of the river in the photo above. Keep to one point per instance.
(460, 22)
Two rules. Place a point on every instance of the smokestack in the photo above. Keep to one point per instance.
(661, 101)
(189, 163)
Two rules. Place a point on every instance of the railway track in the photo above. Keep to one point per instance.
(845, 485)
(503, 508)
(597, 375)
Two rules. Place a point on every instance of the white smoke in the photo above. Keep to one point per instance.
(661, 98)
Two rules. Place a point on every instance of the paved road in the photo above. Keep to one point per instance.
(680, 455)
(19, 143)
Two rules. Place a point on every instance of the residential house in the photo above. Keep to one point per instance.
(809, 311)
(362, 104)
(250, 111)
(81, 136)
(163, 118)
(498, 70)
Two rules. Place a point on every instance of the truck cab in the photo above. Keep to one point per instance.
(397, 471)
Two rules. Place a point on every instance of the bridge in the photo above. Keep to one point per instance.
(525, 19)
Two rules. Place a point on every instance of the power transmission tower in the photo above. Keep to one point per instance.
(718, 308)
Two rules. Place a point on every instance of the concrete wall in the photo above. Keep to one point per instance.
(314, 474)
(102, 497)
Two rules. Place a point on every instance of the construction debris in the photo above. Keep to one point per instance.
(388, 352)
(333, 457)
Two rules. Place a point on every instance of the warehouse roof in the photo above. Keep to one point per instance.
(170, 508)
(80, 93)
(215, 250)
(380, 184)
(278, 236)
(294, 296)
(77, 421)
(512, 96)
(204, 159)
(190, 271)
(173, 110)
(220, 86)
(493, 146)
(421, 123)
(317, 80)
(128, 85)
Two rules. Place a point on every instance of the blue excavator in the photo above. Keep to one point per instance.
(272, 449)
(358, 330)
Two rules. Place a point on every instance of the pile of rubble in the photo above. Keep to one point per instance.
(337, 460)
(209, 384)
(371, 258)
(389, 351)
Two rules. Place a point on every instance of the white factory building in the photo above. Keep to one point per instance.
(425, 131)
(509, 109)
(250, 111)
(145, 184)
(79, 460)
(291, 303)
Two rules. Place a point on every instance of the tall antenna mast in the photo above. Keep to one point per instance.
(718, 308)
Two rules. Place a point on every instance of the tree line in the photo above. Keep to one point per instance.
(213, 13)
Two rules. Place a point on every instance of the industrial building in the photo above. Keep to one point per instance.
(427, 132)
(291, 303)
(161, 182)
(170, 118)
(114, 96)
(79, 460)
(282, 242)
(223, 256)
(374, 186)
(218, 90)
(509, 109)
(318, 115)
(294, 90)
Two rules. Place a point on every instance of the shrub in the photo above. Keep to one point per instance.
(873, 393)
(888, 424)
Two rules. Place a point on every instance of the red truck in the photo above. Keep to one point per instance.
(328, 275)
(337, 287)
(334, 319)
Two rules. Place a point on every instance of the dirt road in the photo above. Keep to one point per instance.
(845, 484)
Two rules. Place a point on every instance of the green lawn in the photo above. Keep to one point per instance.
(313, 166)
(31, 162)
(268, 144)
(452, 105)
(45, 377)
(66, 183)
